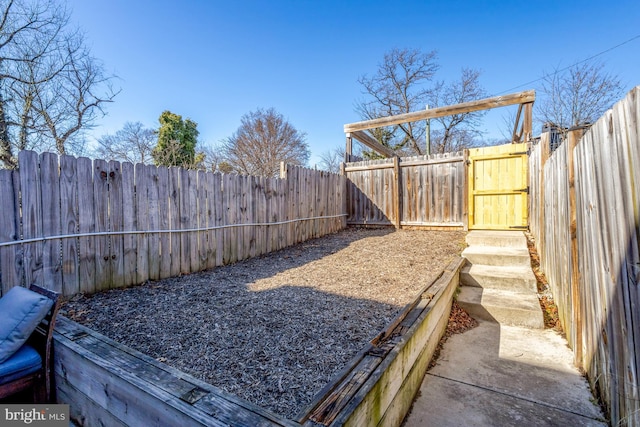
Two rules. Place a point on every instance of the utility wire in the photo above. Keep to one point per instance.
(573, 65)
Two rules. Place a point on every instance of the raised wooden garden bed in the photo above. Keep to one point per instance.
(107, 383)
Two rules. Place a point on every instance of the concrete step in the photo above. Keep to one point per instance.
(500, 256)
(499, 277)
(502, 306)
(496, 238)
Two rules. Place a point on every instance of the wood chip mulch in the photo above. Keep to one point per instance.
(276, 328)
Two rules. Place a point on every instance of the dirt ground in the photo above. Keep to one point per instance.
(276, 328)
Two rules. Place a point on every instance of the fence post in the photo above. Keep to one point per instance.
(573, 138)
(348, 148)
(465, 193)
(544, 156)
(397, 194)
(527, 123)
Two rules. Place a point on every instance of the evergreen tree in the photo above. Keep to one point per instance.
(177, 139)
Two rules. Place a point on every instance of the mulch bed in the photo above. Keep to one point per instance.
(276, 328)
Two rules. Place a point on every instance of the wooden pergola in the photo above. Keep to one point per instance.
(524, 99)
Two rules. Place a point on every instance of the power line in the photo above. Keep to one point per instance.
(570, 66)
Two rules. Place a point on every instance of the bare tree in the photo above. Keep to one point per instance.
(331, 159)
(50, 86)
(263, 140)
(76, 100)
(405, 83)
(577, 95)
(133, 143)
(458, 131)
(399, 87)
(209, 158)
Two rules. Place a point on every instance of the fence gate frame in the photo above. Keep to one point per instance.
(498, 186)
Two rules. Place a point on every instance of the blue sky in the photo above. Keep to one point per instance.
(213, 61)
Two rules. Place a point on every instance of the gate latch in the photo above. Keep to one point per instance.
(523, 190)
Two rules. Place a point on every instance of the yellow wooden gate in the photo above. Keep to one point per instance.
(498, 187)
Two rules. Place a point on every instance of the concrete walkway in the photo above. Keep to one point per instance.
(499, 375)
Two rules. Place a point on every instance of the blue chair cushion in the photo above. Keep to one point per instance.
(20, 312)
(25, 361)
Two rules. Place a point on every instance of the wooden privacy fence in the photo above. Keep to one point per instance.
(75, 225)
(585, 217)
(426, 191)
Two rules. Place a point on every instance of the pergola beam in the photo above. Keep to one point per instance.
(370, 142)
(525, 97)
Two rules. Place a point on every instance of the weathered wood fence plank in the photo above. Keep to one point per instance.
(165, 221)
(142, 221)
(69, 224)
(586, 219)
(129, 222)
(11, 273)
(51, 252)
(423, 191)
(86, 223)
(97, 225)
(116, 223)
(153, 218)
(31, 216)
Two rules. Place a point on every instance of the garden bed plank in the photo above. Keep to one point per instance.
(84, 410)
(114, 381)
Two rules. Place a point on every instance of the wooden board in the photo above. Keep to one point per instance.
(31, 216)
(101, 210)
(174, 221)
(153, 218)
(129, 223)
(192, 221)
(203, 236)
(69, 224)
(142, 221)
(51, 248)
(86, 223)
(210, 212)
(219, 217)
(164, 222)
(11, 273)
(116, 223)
